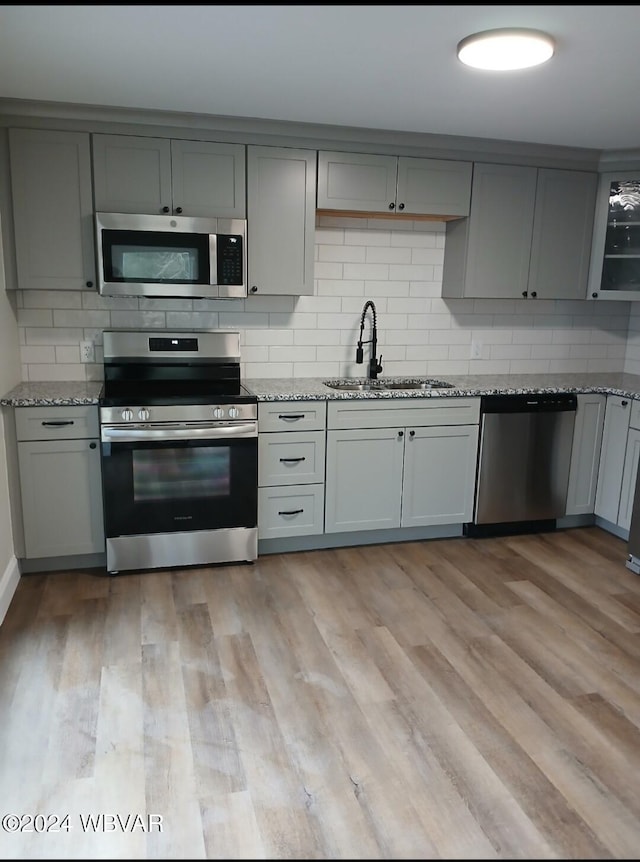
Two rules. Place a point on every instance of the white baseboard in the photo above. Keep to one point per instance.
(8, 585)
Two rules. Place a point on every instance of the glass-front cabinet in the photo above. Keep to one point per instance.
(615, 257)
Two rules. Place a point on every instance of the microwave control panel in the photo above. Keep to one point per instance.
(230, 255)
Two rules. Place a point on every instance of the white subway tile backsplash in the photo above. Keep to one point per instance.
(35, 317)
(398, 264)
(341, 253)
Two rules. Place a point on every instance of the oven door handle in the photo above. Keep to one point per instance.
(125, 434)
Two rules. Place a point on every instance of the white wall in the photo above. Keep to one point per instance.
(398, 266)
(9, 376)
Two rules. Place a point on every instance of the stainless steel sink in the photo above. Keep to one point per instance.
(385, 385)
(349, 386)
(414, 384)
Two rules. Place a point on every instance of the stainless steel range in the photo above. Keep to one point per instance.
(179, 437)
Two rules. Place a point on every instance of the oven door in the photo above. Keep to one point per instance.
(171, 478)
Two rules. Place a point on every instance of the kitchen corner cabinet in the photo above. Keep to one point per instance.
(528, 235)
(161, 175)
(393, 185)
(60, 480)
(291, 463)
(281, 188)
(52, 209)
(615, 261)
(585, 454)
(400, 464)
(619, 462)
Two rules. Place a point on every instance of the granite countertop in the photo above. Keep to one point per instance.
(64, 393)
(53, 393)
(313, 388)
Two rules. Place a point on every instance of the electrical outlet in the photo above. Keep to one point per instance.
(87, 352)
(476, 349)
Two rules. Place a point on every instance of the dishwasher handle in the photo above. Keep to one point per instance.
(535, 402)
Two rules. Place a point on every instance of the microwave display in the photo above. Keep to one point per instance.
(170, 256)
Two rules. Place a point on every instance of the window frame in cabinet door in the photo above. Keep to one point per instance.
(598, 245)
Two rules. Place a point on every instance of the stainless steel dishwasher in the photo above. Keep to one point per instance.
(523, 462)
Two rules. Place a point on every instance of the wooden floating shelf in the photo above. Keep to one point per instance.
(396, 216)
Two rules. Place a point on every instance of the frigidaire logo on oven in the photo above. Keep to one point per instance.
(183, 518)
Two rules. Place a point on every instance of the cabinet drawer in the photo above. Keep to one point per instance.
(389, 413)
(292, 415)
(291, 457)
(634, 419)
(290, 511)
(55, 423)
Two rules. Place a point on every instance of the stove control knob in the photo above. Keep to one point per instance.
(233, 412)
(218, 412)
(143, 414)
(127, 415)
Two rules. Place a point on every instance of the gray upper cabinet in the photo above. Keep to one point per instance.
(393, 185)
(528, 235)
(162, 175)
(52, 209)
(281, 185)
(615, 260)
(562, 231)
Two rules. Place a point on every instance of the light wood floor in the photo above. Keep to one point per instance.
(455, 698)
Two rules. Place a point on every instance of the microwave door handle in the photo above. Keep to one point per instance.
(139, 435)
(213, 258)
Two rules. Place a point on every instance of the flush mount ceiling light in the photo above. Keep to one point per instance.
(506, 49)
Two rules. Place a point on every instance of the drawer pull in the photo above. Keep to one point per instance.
(292, 512)
(56, 423)
(624, 403)
(291, 460)
(291, 417)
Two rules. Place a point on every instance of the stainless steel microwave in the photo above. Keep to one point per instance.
(170, 256)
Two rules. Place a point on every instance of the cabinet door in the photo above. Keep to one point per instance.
(281, 220)
(439, 475)
(585, 454)
(488, 254)
(612, 454)
(629, 476)
(208, 179)
(52, 209)
(562, 231)
(131, 174)
(614, 272)
(61, 486)
(434, 187)
(364, 479)
(357, 182)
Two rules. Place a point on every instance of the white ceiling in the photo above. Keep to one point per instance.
(376, 67)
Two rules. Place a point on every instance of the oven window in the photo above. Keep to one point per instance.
(163, 487)
(180, 474)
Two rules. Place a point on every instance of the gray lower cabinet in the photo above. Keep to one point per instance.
(612, 457)
(418, 470)
(393, 185)
(52, 209)
(60, 480)
(585, 454)
(281, 193)
(291, 468)
(160, 175)
(630, 469)
(528, 235)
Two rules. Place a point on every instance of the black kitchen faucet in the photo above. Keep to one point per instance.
(375, 364)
